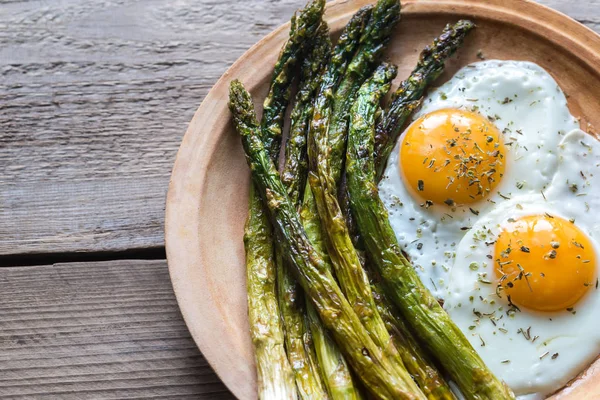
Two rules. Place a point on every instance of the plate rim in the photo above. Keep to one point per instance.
(180, 207)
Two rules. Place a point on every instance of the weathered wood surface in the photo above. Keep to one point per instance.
(102, 330)
(94, 99)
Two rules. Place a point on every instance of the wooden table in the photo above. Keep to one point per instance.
(94, 99)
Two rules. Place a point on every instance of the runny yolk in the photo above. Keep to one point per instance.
(544, 263)
(452, 156)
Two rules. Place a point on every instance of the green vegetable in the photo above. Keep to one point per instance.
(430, 66)
(275, 376)
(375, 36)
(298, 343)
(302, 32)
(341, 62)
(335, 370)
(421, 369)
(368, 361)
(296, 164)
(420, 309)
(332, 365)
(297, 333)
(348, 269)
(417, 363)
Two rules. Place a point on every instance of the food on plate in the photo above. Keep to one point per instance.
(348, 269)
(375, 36)
(428, 69)
(372, 366)
(274, 374)
(535, 324)
(461, 237)
(298, 338)
(334, 369)
(418, 307)
(417, 362)
(488, 134)
(363, 114)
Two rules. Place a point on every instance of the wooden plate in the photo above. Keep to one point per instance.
(207, 199)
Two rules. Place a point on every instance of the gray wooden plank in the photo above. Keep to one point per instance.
(94, 99)
(102, 330)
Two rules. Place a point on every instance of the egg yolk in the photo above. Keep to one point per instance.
(544, 263)
(452, 156)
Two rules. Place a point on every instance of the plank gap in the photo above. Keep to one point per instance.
(25, 260)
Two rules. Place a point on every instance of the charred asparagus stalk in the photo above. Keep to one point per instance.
(376, 34)
(349, 272)
(334, 369)
(301, 33)
(342, 249)
(406, 99)
(291, 302)
(375, 370)
(347, 266)
(422, 370)
(418, 307)
(298, 347)
(417, 363)
(274, 374)
(340, 60)
(338, 378)
(295, 165)
(429, 67)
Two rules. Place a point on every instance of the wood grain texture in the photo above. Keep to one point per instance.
(102, 330)
(94, 99)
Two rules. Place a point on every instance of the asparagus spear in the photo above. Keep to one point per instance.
(348, 269)
(373, 40)
(335, 312)
(291, 302)
(275, 377)
(296, 163)
(406, 99)
(338, 378)
(274, 374)
(297, 345)
(386, 14)
(349, 272)
(429, 67)
(418, 307)
(334, 370)
(341, 58)
(417, 363)
(367, 107)
(301, 33)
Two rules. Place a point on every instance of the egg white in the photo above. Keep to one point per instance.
(529, 108)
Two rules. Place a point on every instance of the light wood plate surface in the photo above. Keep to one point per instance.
(208, 193)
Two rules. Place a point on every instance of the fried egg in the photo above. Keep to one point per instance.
(487, 135)
(524, 286)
